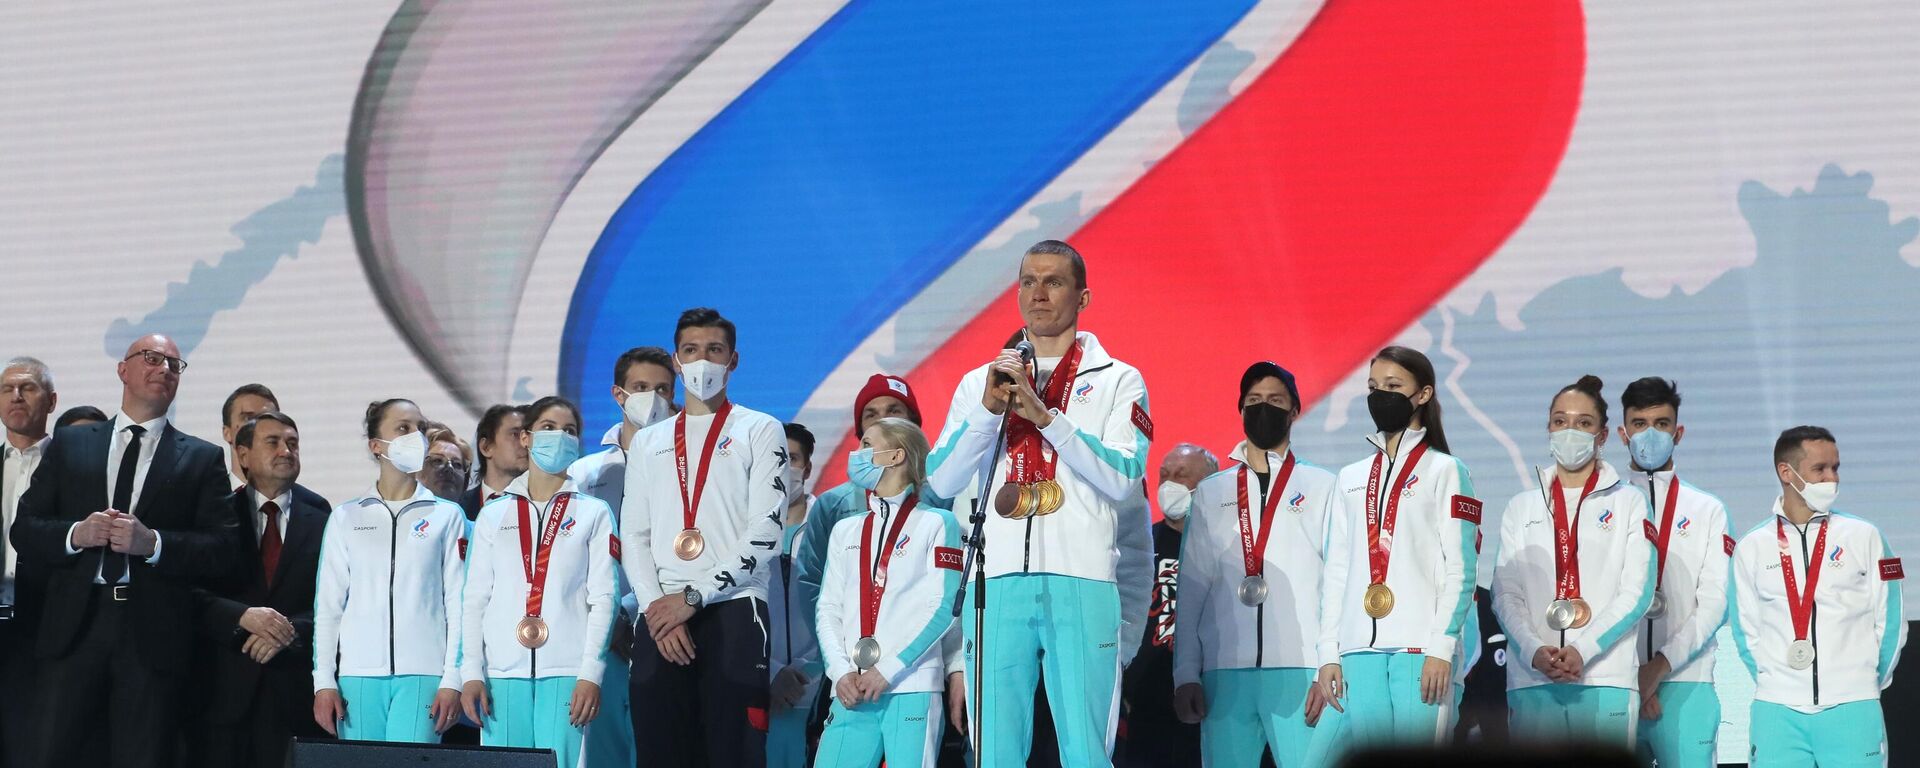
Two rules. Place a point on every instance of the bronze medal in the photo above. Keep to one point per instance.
(531, 632)
(1582, 613)
(688, 544)
(1006, 501)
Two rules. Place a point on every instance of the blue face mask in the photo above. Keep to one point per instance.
(1651, 448)
(861, 470)
(553, 451)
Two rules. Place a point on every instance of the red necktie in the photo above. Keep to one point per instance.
(270, 542)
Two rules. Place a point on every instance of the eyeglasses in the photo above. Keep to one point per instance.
(155, 359)
(440, 464)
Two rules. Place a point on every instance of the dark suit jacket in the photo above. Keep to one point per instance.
(233, 677)
(471, 503)
(182, 500)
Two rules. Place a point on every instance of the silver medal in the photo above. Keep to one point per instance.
(1658, 608)
(1800, 654)
(1560, 615)
(1253, 590)
(866, 653)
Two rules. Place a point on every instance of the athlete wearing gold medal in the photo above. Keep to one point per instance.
(700, 527)
(539, 598)
(1401, 556)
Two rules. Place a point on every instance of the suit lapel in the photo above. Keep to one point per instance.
(303, 530)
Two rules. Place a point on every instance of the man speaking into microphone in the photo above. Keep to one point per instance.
(1067, 519)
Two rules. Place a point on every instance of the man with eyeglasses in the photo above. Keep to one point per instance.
(26, 399)
(126, 519)
(445, 470)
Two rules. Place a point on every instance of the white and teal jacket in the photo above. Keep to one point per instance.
(923, 576)
(1857, 627)
(387, 601)
(1695, 585)
(578, 605)
(1431, 570)
(791, 639)
(1616, 579)
(603, 475)
(1212, 628)
(1104, 530)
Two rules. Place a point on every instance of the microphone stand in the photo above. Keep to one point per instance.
(976, 568)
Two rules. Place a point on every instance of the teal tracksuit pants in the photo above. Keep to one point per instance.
(1850, 735)
(1562, 712)
(902, 728)
(1383, 701)
(1252, 710)
(787, 737)
(534, 714)
(1688, 730)
(610, 735)
(1066, 630)
(394, 708)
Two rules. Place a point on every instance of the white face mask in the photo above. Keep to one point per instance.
(1571, 448)
(644, 409)
(795, 482)
(703, 378)
(1818, 496)
(1176, 500)
(408, 452)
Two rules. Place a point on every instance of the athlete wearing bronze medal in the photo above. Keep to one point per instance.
(1071, 534)
(1247, 624)
(700, 527)
(539, 598)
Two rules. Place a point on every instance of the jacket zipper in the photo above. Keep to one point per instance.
(1656, 586)
(393, 570)
(1813, 618)
(786, 623)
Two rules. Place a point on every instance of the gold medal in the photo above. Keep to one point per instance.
(531, 632)
(688, 544)
(1050, 497)
(1378, 601)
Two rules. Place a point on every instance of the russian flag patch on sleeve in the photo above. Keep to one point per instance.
(1890, 570)
(1466, 508)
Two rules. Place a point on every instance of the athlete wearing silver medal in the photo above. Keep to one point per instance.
(1817, 617)
(1679, 709)
(1571, 584)
(1246, 651)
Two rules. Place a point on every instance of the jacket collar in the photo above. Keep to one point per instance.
(1412, 438)
(372, 496)
(1274, 458)
(612, 437)
(1780, 510)
(1608, 477)
(519, 487)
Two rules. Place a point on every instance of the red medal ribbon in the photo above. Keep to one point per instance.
(1251, 550)
(1666, 531)
(870, 597)
(1566, 538)
(1800, 604)
(1380, 526)
(536, 560)
(1028, 459)
(690, 504)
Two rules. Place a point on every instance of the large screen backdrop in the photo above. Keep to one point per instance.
(486, 201)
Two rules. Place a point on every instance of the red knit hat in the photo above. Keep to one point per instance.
(882, 385)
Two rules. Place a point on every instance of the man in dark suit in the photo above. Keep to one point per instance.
(259, 684)
(124, 519)
(26, 400)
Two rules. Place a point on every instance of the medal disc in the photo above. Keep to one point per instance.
(866, 653)
(1582, 613)
(1029, 500)
(1006, 501)
(1800, 654)
(1049, 497)
(531, 632)
(1378, 601)
(688, 544)
(1658, 608)
(1560, 615)
(1253, 590)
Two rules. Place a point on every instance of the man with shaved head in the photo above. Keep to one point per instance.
(1154, 736)
(125, 518)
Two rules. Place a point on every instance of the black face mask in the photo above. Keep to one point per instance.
(1391, 411)
(1266, 425)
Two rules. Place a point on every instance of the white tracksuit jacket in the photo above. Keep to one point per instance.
(1212, 628)
(1857, 625)
(1616, 576)
(740, 515)
(578, 605)
(1695, 584)
(1104, 530)
(388, 598)
(791, 639)
(1435, 554)
(923, 575)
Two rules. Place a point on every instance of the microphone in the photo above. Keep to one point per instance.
(1025, 348)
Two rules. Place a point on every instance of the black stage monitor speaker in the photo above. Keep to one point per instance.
(327, 753)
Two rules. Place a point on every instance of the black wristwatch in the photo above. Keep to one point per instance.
(693, 596)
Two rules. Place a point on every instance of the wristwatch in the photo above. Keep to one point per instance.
(693, 596)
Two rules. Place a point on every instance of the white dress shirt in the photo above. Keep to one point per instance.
(285, 502)
(16, 471)
(149, 442)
